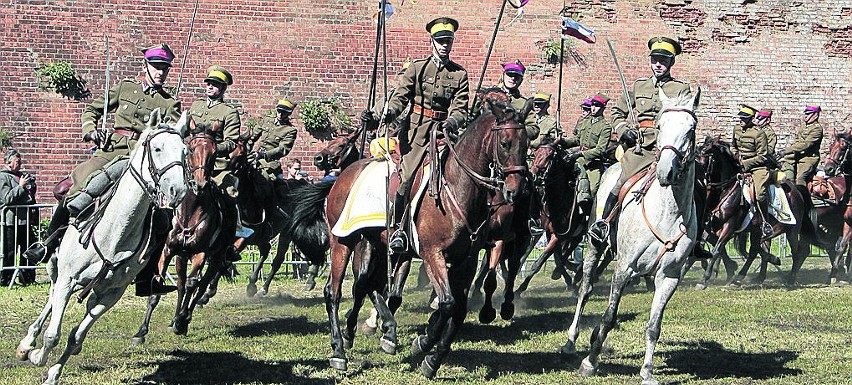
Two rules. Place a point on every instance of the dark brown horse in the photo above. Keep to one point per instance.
(834, 213)
(449, 227)
(198, 235)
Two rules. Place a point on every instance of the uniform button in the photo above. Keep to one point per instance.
(135, 91)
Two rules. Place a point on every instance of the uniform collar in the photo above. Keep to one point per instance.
(662, 79)
(512, 92)
(595, 119)
(286, 122)
(213, 102)
(438, 61)
(149, 89)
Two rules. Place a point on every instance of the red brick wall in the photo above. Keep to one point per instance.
(778, 55)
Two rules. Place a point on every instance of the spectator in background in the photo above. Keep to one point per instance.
(294, 170)
(16, 188)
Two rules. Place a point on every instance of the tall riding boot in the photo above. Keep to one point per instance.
(766, 232)
(398, 242)
(231, 211)
(148, 280)
(599, 230)
(41, 251)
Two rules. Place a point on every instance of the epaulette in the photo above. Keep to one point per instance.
(132, 80)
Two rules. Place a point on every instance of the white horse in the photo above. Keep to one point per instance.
(656, 233)
(155, 175)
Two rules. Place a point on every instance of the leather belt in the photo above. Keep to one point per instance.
(433, 114)
(130, 134)
(647, 124)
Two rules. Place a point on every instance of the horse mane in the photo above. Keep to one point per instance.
(843, 135)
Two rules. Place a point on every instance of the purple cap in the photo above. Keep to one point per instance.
(586, 104)
(160, 53)
(812, 109)
(515, 68)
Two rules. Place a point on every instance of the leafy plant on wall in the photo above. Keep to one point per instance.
(62, 78)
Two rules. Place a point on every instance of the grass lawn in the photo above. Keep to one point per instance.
(753, 335)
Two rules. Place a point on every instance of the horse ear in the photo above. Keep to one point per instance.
(183, 124)
(155, 119)
(696, 97)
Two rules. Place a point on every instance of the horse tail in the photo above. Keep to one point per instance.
(307, 225)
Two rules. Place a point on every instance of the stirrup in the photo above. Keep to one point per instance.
(599, 231)
(398, 242)
(766, 228)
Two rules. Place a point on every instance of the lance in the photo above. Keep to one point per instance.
(108, 131)
(380, 26)
(488, 54)
(638, 148)
(186, 48)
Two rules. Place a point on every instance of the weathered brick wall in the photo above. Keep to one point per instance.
(777, 54)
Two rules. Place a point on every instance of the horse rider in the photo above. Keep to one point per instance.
(590, 142)
(762, 121)
(751, 146)
(512, 78)
(437, 88)
(131, 101)
(211, 110)
(586, 111)
(274, 138)
(802, 157)
(641, 136)
(546, 123)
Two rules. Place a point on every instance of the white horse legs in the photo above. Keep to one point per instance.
(27, 344)
(620, 279)
(590, 262)
(59, 297)
(665, 288)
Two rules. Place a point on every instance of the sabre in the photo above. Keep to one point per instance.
(638, 148)
(108, 131)
(488, 53)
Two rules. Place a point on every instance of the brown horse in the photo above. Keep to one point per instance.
(834, 216)
(449, 227)
(196, 235)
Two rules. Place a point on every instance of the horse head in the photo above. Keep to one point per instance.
(718, 161)
(676, 140)
(544, 155)
(838, 160)
(158, 162)
(499, 129)
(338, 153)
(202, 154)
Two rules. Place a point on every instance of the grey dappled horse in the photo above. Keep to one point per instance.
(122, 237)
(655, 235)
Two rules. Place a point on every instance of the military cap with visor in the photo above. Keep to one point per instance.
(514, 68)
(664, 46)
(600, 100)
(285, 105)
(219, 74)
(442, 28)
(541, 98)
(160, 53)
(746, 111)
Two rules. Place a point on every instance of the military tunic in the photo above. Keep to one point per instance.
(208, 112)
(547, 127)
(276, 139)
(646, 101)
(433, 86)
(518, 102)
(801, 157)
(133, 102)
(752, 146)
(592, 136)
(771, 138)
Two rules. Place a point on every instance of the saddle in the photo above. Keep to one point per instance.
(828, 190)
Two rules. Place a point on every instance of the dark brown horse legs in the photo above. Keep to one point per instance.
(333, 290)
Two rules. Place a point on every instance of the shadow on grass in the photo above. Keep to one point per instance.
(282, 325)
(709, 360)
(227, 368)
(529, 363)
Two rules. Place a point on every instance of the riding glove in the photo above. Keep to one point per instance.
(630, 136)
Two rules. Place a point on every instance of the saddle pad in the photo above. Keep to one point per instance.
(367, 206)
(779, 206)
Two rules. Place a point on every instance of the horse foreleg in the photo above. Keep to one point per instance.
(460, 275)
(590, 262)
(364, 273)
(388, 341)
(800, 249)
(539, 263)
(58, 301)
(280, 255)
(209, 275)
(436, 268)
(251, 288)
(139, 337)
(608, 257)
(620, 279)
(27, 344)
(751, 254)
(493, 254)
(179, 321)
(476, 291)
(518, 246)
(333, 290)
(665, 288)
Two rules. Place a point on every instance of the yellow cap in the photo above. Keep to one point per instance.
(286, 105)
(665, 46)
(541, 98)
(747, 111)
(219, 74)
(442, 27)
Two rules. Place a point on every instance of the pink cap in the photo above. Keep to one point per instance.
(600, 99)
(587, 103)
(764, 114)
(812, 109)
(515, 67)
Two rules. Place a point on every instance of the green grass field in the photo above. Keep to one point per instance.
(752, 335)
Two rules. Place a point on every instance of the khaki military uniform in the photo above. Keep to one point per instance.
(207, 112)
(801, 157)
(645, 96)
(592, 136)
(276, 139)
(518, 102)
(752, 146)
(771, 138)
(546, 126)
(432, 88)
(132, 101)
(17, 224)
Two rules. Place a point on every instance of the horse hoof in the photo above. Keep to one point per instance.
(179, 329)
(700, 286)
(264, 292)
(434, 304)
(337, 363)
(348, 342)
(22, 353)
(203, 300)
(137, 341)
(387, 345)
(487, 314)
(507, 311)
(37, 357)
(586, 369)
(569, 349)
(650, 381)
(310, 284)
(840, 283)
(251, 290)
(735, 284)
(417, 346)
(427, 369)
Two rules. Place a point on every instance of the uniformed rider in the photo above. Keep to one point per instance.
(802, 157)
(752, 149)
(590, 142)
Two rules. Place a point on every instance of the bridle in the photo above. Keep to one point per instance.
(200, 135)
(684, 158)
(841, 160)
(155, 172)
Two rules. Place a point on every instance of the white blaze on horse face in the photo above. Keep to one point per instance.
(676, 137)
(167, 160)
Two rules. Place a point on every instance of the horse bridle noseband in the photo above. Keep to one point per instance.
(838, 163)
(684, 157)
(156, 173)
(499, 172)
(200, 135)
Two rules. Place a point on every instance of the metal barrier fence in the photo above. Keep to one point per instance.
(25, 228)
